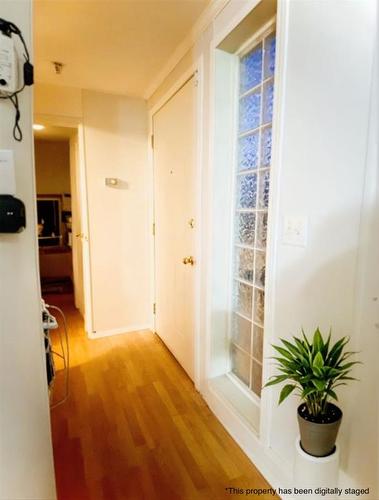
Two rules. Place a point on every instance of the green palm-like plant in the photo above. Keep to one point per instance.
(316, 369)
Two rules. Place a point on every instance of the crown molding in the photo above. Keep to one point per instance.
(205, 19)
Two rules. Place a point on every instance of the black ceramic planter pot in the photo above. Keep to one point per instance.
(317, 437)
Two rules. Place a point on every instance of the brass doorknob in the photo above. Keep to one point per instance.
(189, 260)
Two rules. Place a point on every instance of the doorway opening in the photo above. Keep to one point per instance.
(59, 204)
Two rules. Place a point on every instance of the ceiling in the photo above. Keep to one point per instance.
(117, 46)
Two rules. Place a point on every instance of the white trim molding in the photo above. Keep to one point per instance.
(179, 83)
(206, 18)
(256, 445)
(119, 331)
(267, 399)
(266, 461)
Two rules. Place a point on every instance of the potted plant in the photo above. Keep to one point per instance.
(315, 369)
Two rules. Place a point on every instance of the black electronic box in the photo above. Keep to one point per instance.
(12, 214)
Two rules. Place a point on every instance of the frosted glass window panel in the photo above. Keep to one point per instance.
(260, 268)
(247, 191)
(245, 228)
(250, 112)
(241, 332)
(245, 264)
(269, 55)
(261, 230)
(243, 299)
(240, 364)
(258, 343)
(264, 189)
(252, 192)
(259, 304)
(248, 149)
(268, 101)
(256, 378)
(251, 69)
(266, 147)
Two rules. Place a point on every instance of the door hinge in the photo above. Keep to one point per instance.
(154, 308)
(152, 141)
(196, 79)
(153, 230)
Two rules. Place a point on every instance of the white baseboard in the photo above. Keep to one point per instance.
(119, 331)
(278, 475)
(346, 481)
(269, 464)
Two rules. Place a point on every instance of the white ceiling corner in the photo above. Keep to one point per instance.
(117, 46)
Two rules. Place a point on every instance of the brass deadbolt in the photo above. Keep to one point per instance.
(189, 260)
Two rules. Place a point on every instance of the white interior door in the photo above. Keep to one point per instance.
(77, 250)
(175, 225)
(84, 232)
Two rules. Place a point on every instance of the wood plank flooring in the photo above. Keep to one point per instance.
(134, 427)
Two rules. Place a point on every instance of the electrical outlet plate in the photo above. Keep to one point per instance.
(295, 230)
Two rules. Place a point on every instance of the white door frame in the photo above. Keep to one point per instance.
(196, 71)
(61, 121)
(86, 252)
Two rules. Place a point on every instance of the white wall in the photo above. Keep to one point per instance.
(61, 102)
(115, 138)
(115, 130)
(52, 162)
(325, 107)
(362, 411)
(26, 462)
(222, 180)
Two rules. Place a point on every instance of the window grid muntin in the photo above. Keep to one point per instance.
(260, 170)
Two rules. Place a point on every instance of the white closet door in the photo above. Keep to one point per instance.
(175, 227)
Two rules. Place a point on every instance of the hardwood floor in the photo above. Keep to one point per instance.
(134, 427)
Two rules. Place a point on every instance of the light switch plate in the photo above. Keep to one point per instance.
(295, 230)
(7, 174)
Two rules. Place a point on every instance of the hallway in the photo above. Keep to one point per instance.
(135, 428)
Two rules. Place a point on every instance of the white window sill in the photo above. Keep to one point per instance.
(245, 405)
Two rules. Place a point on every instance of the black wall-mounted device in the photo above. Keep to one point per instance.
(12, 214)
